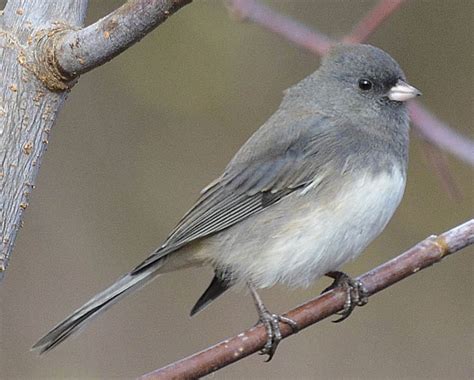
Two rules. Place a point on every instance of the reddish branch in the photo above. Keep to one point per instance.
(372, 20)
(292, 30)
(436, 159)
(429, 127)
(424, 254)
(439, 134)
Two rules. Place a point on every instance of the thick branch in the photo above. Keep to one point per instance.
(27, 108)
(424, 254)
(43, 49)
(82, 50)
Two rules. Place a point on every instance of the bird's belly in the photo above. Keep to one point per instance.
(301, 239)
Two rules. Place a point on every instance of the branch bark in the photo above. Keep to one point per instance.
(43, 51)
(424, 254)
(28, 108)
(83, 50)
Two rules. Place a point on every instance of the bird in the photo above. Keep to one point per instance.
(307, 192)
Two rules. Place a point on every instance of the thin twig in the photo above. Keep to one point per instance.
(440, 134)
(424, 254)
(292, 30)
(84, 49)
(439, 164)
(372, 20)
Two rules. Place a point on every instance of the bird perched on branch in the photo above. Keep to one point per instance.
(305, 194)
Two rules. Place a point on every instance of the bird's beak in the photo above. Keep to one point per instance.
(402, 92)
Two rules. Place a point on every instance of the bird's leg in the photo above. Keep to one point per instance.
(356, 293)
(271, 322)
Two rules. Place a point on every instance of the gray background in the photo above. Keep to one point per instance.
(137, 140)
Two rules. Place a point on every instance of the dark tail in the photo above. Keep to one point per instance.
(216, 288)
(95, 306)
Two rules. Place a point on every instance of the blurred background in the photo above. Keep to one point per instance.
(138, 139)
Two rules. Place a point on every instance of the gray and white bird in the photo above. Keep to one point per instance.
(313, 186)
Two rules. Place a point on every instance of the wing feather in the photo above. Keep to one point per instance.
(245, 188)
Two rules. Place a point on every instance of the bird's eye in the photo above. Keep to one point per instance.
(365, 84)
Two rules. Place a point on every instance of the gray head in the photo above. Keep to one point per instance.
(370, 71)
(359, 78)
(359, 86)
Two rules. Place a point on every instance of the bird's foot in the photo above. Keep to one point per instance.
(272, 326)
(271, 322)
(356, 294)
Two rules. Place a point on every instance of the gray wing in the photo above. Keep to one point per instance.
(251, 182)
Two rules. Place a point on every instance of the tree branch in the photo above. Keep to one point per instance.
(83, 50)
(440, 134)
(372, 20)
(293, 31)
(28, 108)
(430, 127)
(424, 254)
(437, 161)
(44, 50)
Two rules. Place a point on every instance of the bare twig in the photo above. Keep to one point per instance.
(439, 163)
(430, 127)
(372, 20)
(424, 254)
(82, 50)
(440, 134)
(284, 26)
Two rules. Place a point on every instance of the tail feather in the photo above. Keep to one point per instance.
(216, 288)
(95, 306)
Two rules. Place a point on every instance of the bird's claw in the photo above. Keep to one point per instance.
(272, 326)
(356, 294)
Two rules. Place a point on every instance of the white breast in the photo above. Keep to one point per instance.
(299, 242)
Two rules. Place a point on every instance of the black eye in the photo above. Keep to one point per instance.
(365, 84)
